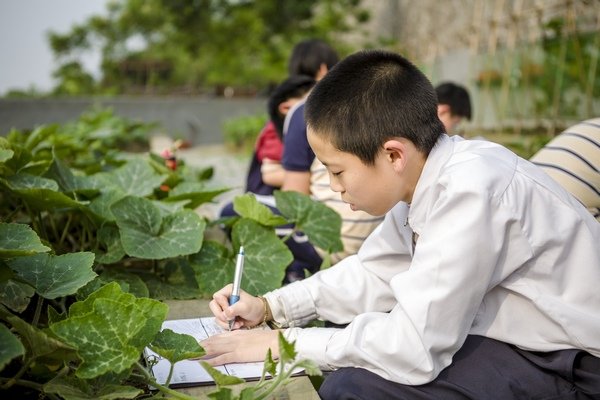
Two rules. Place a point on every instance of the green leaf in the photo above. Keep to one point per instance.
(287, 353)
(39, 344)
(135, 284)
(196, 192)
(11, 346)
(67, 181)
(270, 365)
(101, 205)
(27, 181)
(220, 378)
(6, 154)
(320, 223)
(38, 135)
(145, 234)
(108, 237)
(110, 329)
(40, 193)
(19, 240)
(15, 295)
(247, 206)
(213, 266)
(136, 178)
(221, 394)
(55, 276)
(159, 289)
(176, 346)
(71, 388)
(266, 256)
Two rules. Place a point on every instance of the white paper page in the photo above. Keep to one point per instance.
(190, 371)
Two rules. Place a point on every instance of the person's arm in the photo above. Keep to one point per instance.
(296, 181)
(272, 172)
(436, 300)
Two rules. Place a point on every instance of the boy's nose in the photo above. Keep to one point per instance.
(335, 186)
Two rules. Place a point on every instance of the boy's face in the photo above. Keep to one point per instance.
(374, 189)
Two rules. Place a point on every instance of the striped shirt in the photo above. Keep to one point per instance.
(573, 160)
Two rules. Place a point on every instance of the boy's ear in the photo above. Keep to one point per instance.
(443, 109)
(285, 106)
(321, 72)
(396, 153)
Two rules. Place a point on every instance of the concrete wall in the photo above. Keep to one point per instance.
(199, 120)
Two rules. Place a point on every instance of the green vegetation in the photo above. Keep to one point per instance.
(188, 47)
(92, 238)
(240, 133)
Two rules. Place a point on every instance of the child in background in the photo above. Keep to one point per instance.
(480, 283)
(265, 173)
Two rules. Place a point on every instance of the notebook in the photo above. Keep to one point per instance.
(191, 372)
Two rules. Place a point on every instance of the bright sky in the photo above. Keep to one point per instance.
(25, 56)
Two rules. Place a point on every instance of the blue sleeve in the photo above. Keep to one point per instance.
(297, 154)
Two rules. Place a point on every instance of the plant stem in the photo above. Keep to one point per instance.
(65, 230)
(8, 382)
(150, 379)
(38, 311)
(17, 378)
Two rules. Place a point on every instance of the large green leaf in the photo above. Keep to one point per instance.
(266, 256)
(320, 223)
(19, 240)
(176, 346)
(55, 276)
(11, 346)
(214, 267)
(110, 329)
(40, 193)
(248, 207)
(71, 388)
(196, 192)
(146, 234)
(135, 178)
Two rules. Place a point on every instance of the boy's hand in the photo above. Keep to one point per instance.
(240, 346)
(248, 311)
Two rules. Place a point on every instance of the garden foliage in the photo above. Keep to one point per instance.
(92, 238)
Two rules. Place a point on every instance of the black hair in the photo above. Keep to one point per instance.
(293, 86)
(308, 55)
(456, 97)
(370, 97)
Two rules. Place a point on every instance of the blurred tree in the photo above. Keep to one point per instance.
(157, 45)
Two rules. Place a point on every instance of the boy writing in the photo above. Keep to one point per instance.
(480, 283)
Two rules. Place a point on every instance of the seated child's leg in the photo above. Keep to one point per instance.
(482, 369)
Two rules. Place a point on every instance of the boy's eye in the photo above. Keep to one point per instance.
(336, 173)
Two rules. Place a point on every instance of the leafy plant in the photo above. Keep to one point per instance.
(280, 371)
(90, 242)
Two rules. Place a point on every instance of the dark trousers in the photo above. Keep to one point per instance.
(483, 369)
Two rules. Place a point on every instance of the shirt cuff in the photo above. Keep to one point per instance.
(291, 305)
(311, 344)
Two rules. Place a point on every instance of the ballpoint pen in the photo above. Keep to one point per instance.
(237, 280)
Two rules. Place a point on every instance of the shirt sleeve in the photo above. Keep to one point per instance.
(297, 154)
(269, 145)
(408, 317)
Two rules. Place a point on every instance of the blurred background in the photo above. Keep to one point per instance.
(202, 68)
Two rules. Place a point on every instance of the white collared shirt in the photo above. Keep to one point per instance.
(503, 251)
